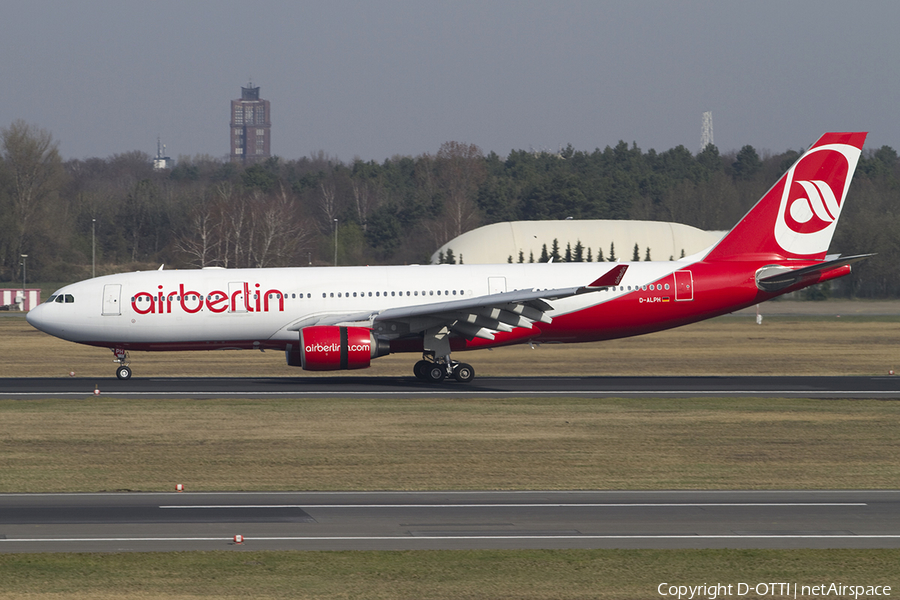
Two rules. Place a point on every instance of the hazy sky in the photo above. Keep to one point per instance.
(381, 78)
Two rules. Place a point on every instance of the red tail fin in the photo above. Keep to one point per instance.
(797, 216)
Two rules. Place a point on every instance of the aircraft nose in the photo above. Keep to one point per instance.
(37, 317)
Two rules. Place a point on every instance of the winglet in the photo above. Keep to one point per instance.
(610, 278)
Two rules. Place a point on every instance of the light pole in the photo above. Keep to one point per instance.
(335, 241)
(93, 247)
(24, 291)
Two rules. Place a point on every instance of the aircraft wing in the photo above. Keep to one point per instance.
(481, 316)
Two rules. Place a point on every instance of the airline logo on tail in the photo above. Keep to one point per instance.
(814, 192)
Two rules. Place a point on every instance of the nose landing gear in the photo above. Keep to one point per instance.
(121, 357)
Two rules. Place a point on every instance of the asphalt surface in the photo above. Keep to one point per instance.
(448, 520)
(884, 387)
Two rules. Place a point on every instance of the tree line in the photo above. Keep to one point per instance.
(318, 210)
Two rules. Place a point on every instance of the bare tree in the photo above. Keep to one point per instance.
(363, 197)
(201, 241)
(277, 230)
(461, 170)
(328, 201)
(34, 170)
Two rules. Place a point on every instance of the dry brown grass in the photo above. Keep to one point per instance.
(361, 444)
(724, 346)
(432, 575)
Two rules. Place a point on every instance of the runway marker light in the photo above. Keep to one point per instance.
(179, 487)
(71, 373)
(238, 539)
(96, 390)
(891, 372)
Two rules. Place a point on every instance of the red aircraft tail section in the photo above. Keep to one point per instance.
(798, 215)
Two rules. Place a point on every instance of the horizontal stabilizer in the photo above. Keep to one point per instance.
(776, 277)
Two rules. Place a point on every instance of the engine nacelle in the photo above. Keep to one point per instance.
(330, 348)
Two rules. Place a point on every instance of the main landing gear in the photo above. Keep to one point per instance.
(121, 357)
(435, 370)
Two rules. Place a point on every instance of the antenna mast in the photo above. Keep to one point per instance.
(706, 131)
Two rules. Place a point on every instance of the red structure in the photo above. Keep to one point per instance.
(18, 299)
(251, 128)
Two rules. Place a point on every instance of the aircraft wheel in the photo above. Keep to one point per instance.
(123, 372)
(420, 369)
(464, 373)
(435, 372)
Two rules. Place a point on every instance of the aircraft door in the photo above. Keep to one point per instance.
(496, 285)
(236, 301)
(112, 293)
(684, 285)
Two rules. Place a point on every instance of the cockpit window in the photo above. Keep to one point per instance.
(51, 298)
(70, 298)
(60, 299)
(67, 298)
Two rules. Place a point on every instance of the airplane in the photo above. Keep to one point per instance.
(339, 318)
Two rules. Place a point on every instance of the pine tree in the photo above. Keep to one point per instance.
(521, 256)
(544, 256)
(612, 252)
(554, 251)
(636, 255)
(578, 254)
(569, 252)
(647, 256)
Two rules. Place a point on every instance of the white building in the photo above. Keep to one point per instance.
(495, 243)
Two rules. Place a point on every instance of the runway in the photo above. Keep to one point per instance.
(883, 387)
(448, 520)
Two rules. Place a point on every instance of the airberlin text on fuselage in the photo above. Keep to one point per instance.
(217, 301)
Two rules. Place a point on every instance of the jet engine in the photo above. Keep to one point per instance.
(331, 348)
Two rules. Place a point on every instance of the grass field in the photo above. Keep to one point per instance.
(98, 444)
(550, 574)
(790, 345)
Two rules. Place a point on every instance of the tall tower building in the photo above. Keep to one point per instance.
(251, 129)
